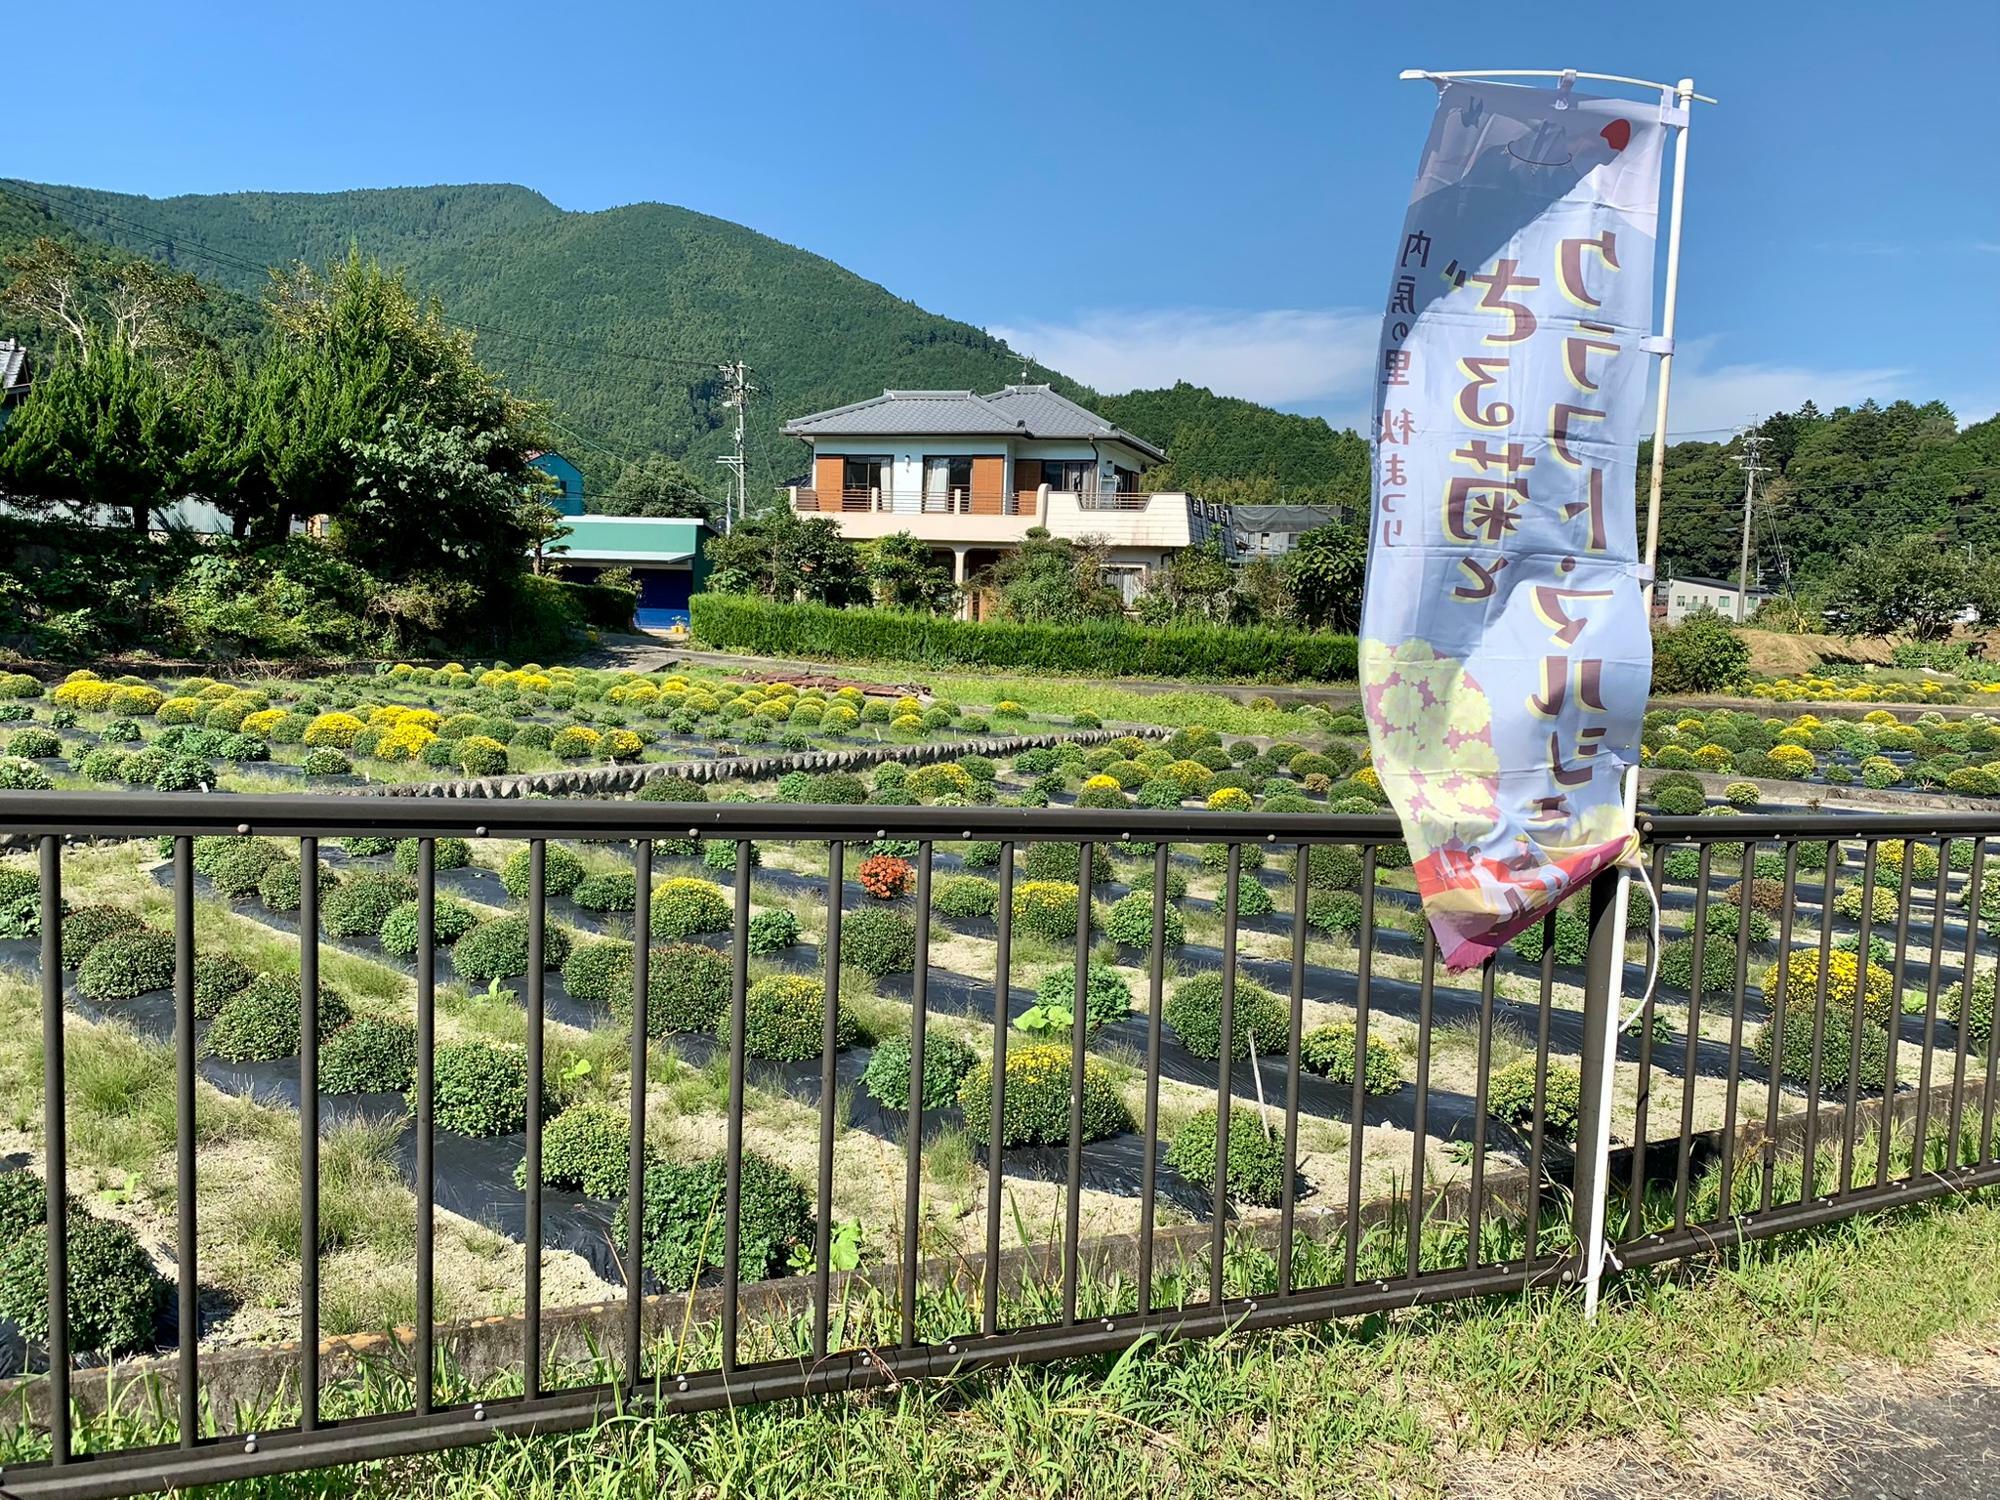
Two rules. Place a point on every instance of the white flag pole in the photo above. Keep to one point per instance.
(1594, 1246)
(1681, 95)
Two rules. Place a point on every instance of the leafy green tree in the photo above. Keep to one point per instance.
(1915, 585)
(655, 485)
(1702, 654)
(105, 432)
(1195, 584)
(1326, 569)
(784, 558)
(1053, 581)
(906, 576)
(545, 529)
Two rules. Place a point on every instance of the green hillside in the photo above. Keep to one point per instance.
(619, 318)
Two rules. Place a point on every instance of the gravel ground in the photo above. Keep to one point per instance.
(1886, 1432)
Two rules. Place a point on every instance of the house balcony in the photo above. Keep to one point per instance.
(972, 517)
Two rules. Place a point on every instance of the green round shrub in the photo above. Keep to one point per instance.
(480, 1089)
(878, 941)
(280, 888)
(720, 854)
(1331, 867)
(241, 864)
(785, 1019)
(1836, 1046)
(687, 990)
(585, 1149)
(1107, 997)
(366, 846)
(615, 890)
(87, 926)
(217, 976)
(1334, 912)
(681, 1219)
(498, 949)
(685, 907)
(1194, 1010)
(946, 1062)
(773, 931)
(359, 905)
(260, 1022)
(964, 896)
(1046, 908)
(451, 919)
(596, 971)
(672, 789)
(369, 1055)
(127, 964)
(1718, 963)
(1256, 1159)
(1328, 1050)
(1572, 937)
(562, 871)
(1510, 1098)
(326, 762)
(446, 854)
(115, 1295)
(1128, 921)
(1035, 1104)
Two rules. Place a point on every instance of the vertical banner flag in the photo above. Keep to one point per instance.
(1505, 647)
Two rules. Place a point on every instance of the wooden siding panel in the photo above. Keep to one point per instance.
(827, 472)
(1027, 479)
(989, 477)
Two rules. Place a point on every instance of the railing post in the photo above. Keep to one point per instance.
(1604, 968)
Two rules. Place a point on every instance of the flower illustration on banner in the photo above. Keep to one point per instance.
(1434, 742)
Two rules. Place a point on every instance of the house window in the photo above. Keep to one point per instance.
(947, 484)
(1124, 481)
(1130, 582)
(1077, 476)
(859, 475)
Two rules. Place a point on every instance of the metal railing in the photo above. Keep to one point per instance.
(1488, 1198)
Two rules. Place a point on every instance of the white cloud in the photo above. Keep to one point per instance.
(1709, 396)
(1283, 357)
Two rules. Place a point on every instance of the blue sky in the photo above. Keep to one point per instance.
(1135, 192)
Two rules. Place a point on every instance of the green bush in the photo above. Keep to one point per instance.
(1700, 655)
(24, 1203)
(369, 1055)
(34, 744)
(1107, 997)
(773, 931)
(1256, 1160)
(615, 890)
(1679, 801)
(260, 1022)
(1036, 1099)
(685, 907)
(687, 990)
(281, 888)
(1113, 648)
(946, 1062)
(363, 846)
(498, 949)
(359, 905)
(1718, 963)
(585, 1149)
(1510, 1097)
(480, 1089)
(1128, 921)
(1331, 867)
(1194, 1010)
(561, 872)
(451, 919)
(596, 971)
(682, 1223)
(1978, 1014)
(1046, 908)
(1836, 1046)
(326, 762)
(964, 896)
(237, 868)
(217, 976)
(87, 926)
(446, 854)
(127, 964)
(1328, 1050)
(878, 941)
(1334, 912)
(1572, 937)
(115, 1295)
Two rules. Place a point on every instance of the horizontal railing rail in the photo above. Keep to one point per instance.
(1346, 1126)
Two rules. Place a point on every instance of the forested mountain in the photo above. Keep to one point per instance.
(1832, 481)
(618, 320)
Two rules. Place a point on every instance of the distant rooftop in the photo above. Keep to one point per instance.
(1023, 411)
(13, 366)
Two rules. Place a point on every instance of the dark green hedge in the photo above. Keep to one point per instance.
(735, 622)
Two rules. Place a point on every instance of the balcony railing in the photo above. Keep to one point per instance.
(960, 502)
(1752, 1096)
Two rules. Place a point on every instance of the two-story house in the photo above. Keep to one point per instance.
(970, 475)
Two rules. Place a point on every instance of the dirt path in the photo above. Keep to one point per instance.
(1887, 1432)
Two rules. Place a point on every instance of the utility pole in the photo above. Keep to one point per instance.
(1753, 442)
(737, 506)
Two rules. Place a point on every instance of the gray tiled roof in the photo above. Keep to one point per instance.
(1027, 411)
(13, 365)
